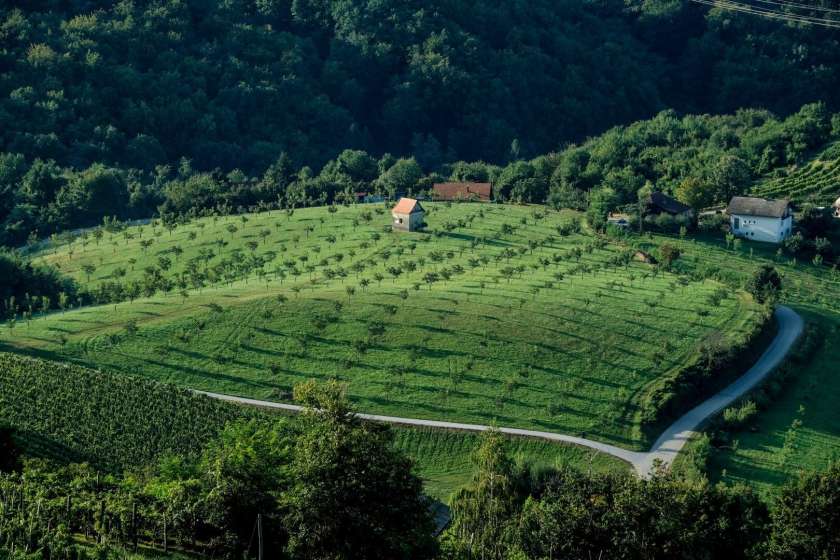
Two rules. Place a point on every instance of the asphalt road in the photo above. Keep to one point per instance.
(669, 444)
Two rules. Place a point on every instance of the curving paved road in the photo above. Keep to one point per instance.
(669, 443)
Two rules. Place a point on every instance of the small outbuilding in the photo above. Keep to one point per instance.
(760, 219)
(408, 215)
(660, 203)
(462, 191)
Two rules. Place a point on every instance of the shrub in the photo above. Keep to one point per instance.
(764, 284)
(738, 417)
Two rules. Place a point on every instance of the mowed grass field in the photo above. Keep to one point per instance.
(499, 315)
(800, 430)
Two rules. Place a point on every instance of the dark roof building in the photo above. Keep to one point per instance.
(462, 191)
(658, 202)
(758, 207)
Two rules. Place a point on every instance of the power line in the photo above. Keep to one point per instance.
(794, 5)
(758, 10)
(768, 13)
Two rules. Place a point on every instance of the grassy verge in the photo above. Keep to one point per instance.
(800, 429)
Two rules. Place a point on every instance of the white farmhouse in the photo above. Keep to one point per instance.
(759, 219)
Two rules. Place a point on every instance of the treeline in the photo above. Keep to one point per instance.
(320, 485)
(233, 83)
(329, 486)
(511, 512)
(702, 160)
(29, 288)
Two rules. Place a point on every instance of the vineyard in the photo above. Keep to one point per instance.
(504, 314)
(818, 181)
(114, 422)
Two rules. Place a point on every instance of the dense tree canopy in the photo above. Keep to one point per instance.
(119, 107)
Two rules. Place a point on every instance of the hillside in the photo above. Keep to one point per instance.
(796, 428)
(817, 181)
(232, 84)
(499, 314)
(122, 423)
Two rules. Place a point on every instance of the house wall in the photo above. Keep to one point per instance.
(759, 228)
(410, 222)
(401, 222)
(416, 221)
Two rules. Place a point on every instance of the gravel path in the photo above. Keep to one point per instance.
(669, 443)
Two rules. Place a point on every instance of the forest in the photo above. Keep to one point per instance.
(183, 105)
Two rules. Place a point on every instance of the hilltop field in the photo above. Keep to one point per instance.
(512, 336)
(499, 314)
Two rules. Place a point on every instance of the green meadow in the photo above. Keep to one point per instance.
(507, 315)
(799, 430)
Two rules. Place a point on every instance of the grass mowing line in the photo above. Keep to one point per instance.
(668, 444)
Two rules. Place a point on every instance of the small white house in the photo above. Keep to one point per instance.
(408, 215)
(758, 219)
(836, 208)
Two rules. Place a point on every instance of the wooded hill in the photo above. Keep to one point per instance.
(110, 91)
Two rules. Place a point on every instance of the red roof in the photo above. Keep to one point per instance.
(462, 191)
(407, 206)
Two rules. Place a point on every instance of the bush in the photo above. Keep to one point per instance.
(737, 417)
(765, 284)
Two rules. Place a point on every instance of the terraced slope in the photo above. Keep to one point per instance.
(818, 181)
(499, 314)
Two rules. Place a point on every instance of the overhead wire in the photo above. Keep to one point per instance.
(795, 5)
(768, 13)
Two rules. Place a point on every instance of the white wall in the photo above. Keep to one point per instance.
(758, 228)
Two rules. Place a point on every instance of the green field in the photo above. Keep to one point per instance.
(529, 323)
(818, 181)
(799, 432)
(769, 451)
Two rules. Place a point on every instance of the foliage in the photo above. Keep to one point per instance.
(563, 513)
(764, 284)
(254, 475)
(27, 287)
(353, 495)
(113, 422)
(805, 522)
(737, 417)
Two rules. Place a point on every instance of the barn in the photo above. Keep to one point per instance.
(462, 191)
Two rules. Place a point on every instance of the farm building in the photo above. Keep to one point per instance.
(462, 191)
(619, 220)
(408, 215)
(760, 219)
(660, 203)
